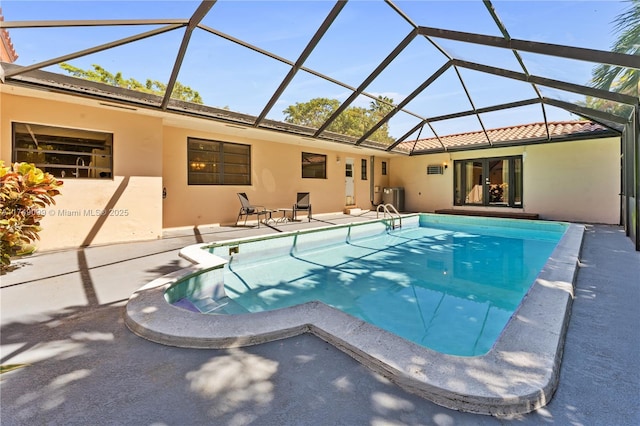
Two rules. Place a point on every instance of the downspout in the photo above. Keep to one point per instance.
(372, 196)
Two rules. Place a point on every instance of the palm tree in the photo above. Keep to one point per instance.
(619, 79)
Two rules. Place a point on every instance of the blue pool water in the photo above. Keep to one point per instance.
(450, 285)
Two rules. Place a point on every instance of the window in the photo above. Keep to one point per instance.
(348, 170)
(364, 169)
(218, 163)
(384, 168)
(314, 166)
(488, 182)
(65, 153)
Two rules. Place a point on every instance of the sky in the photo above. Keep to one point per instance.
(364, 33)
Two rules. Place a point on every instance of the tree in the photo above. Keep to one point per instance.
(101, 75)
(379, 109)
(615, 78)
(353, 121)
(605, 105)
(311, 114)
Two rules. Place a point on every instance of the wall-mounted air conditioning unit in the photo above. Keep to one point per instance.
(435, 169)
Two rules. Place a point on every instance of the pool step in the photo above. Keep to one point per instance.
(185, 303)
(208, 305)
(224, 305)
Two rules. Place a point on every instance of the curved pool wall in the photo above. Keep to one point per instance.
(518, 375)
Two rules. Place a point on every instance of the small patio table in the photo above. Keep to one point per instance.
(285, 218)
(268, 213)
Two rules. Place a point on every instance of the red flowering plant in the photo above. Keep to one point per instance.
(25, 192)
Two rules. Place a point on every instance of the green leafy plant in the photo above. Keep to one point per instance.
(25, 192)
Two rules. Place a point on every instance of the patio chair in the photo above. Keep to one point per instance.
(303, 203)
(247, 209)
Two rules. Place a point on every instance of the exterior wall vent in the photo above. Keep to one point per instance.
(435, 169)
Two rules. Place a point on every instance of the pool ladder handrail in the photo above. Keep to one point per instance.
(390, 210)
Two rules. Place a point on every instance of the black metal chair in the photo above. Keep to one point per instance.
(303, 203)
(247, 209)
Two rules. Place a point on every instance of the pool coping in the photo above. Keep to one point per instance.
(518, 375)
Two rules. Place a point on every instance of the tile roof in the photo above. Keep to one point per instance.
(7, 52)
(512, 135)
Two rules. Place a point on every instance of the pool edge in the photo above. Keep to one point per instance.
(518, 375)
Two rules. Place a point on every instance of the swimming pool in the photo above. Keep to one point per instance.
(447, 285)
(515, 373)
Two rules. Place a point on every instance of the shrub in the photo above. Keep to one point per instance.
(25, 192)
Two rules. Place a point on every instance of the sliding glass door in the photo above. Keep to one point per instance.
(488, 182)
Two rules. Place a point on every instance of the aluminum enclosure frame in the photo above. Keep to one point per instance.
(625, 126)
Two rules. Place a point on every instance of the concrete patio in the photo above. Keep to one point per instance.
(62, 313)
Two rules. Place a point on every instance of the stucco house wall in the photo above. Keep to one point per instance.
(150, 155)
(582, 178)
(276, 177)
(133, 198)
(575, 181)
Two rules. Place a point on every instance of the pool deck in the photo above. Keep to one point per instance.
(63, 314)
